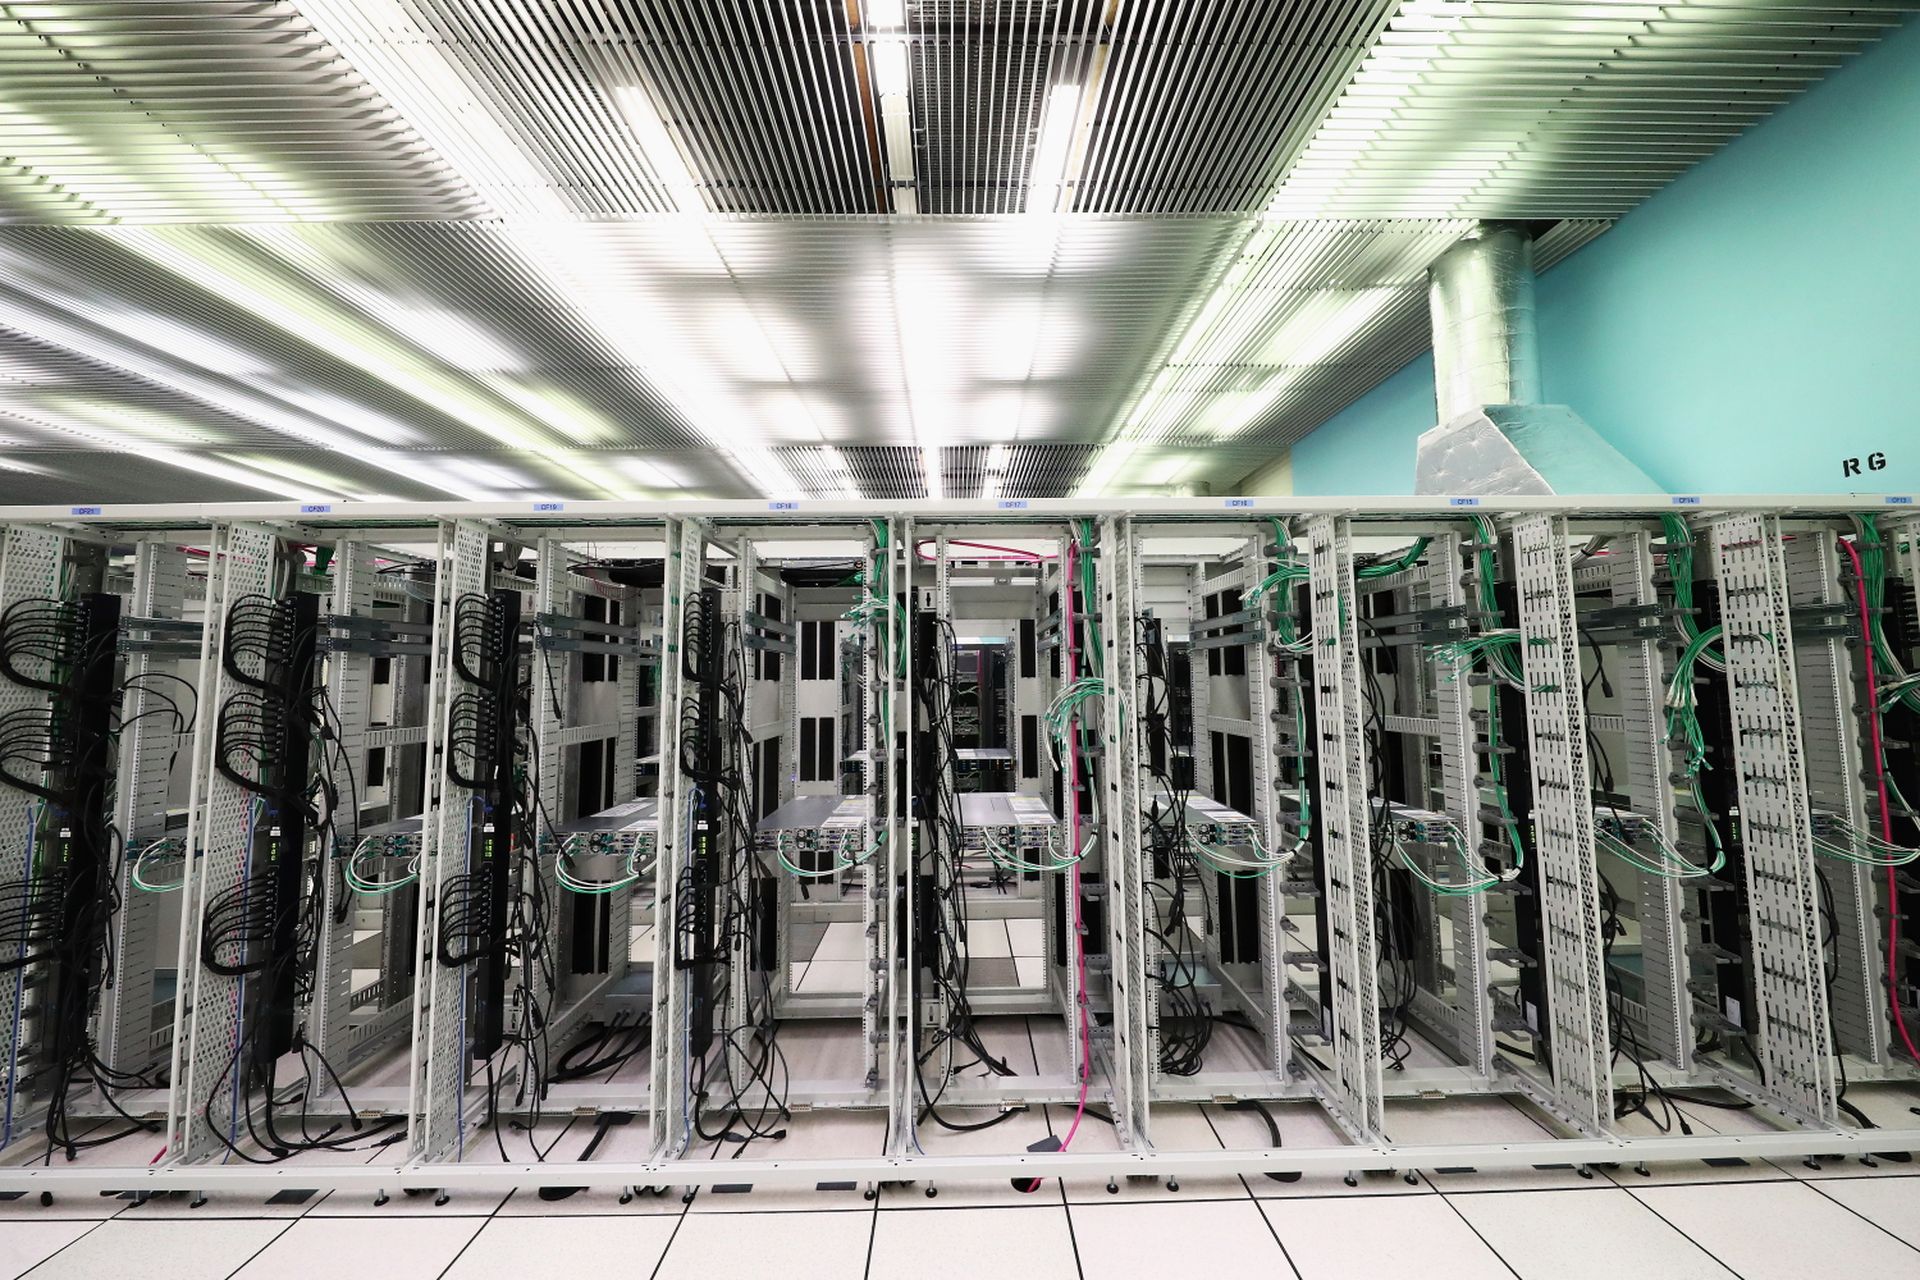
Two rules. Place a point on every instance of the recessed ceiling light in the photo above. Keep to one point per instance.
(890, 68)
(657, 145)
(1049, 167)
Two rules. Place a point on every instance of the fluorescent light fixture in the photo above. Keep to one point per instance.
(890, 67)
(885, 13)
(1049, 168)
(657, 145)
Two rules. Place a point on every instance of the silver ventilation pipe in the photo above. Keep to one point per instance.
(1494, 436)
(1485, 349)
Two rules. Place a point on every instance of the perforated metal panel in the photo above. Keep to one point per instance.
(1649, 764)
(1126, 872)
(1345, 829)
(348, 681)
(1776, 830)
(672, 1120)
(147, 745)
(209, 1035)
(1563, 824)
(440, 1057)
(1453, 706)
(1835, 762)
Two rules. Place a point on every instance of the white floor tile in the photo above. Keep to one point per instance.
(834, 977)
(987, 940)
(811, 1135)
(1893, 1203)
(843, 940)
(518, 1248)
(1302, 1124)
(1339, 1237)
(628, 1143)
(1014, 1134)
(1031, 971)
(823, 1049)
(1479, 1120)
(1572, 1235)
(319, 1248)
(1033, 1243)
(796, 1246)
(1176, 1127)
(1779, 1230)
(1174, 1238)
(27, 1244)
(1703, 1121)
(209, 1250)
(1027, 937)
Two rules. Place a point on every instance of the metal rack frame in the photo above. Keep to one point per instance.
(1762, 581)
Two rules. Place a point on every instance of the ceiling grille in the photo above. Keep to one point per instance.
(199, 111)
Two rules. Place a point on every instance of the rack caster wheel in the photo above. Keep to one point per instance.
(1113, 1188)
(932, 1191)
(379, 1199)
(1411, 1177)
(46, 1199)
(1642, 1170)
(1583, 1171)
(871, 1193)
(1173, 1184)
(626, 1195)
(1870, 1162)
(1811, 1162)
(441, 1199)
(199, 1198)
(688, 1197)
(1351, 1181)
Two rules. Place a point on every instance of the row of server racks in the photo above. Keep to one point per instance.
(391, 850)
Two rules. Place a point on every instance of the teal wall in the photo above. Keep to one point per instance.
(1743, 331)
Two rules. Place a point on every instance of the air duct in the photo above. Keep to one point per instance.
(1480, 294)
(1494, 437)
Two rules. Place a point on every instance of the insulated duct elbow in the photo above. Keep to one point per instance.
(1485, 349)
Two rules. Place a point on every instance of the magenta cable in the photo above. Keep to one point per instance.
(1073, 827)
(1880, 783)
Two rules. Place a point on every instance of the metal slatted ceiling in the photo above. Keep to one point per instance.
(1545, 109)
(1200, 106)
(813, 331)
(199, 111)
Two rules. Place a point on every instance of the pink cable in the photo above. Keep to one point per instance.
(1013, 555)
(1880, 783)
(1073, 827)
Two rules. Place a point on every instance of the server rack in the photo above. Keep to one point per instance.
(1803, 735)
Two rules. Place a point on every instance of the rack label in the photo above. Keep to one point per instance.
(315, 508)
(1237, 503)
(1686, 500)
(783, 506)
(84, 511)
(1899, 500)
(549, 506)
(1463, 502)
(1013, 504)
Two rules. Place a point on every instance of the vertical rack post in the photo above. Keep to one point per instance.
(1126, 873)
(671, 1118)
(1776, 822)
(207, 1030)
(1346, 842)
(438, 1104)
(1582, 1088)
